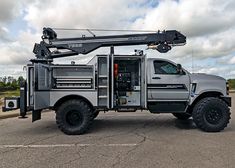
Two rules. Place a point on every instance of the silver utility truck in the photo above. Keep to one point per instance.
(124, 83)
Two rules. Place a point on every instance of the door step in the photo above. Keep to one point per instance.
(126, 110)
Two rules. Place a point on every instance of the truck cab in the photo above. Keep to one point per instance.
(173, 89)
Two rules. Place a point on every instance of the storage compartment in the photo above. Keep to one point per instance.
(127, 81)
(73, 71)
(121, 86)
(73, 77)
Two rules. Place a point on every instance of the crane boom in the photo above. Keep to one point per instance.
(63, 47)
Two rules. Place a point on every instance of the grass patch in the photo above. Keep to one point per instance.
(11, 93)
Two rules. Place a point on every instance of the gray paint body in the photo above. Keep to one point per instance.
(164, 93)
(207, 83)
(49, 98)
(204, 83)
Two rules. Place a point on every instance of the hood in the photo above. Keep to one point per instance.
(200, 76)
(207, 83)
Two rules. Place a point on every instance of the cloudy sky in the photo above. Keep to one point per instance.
(208, 24)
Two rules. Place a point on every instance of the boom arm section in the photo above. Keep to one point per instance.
(63, 47)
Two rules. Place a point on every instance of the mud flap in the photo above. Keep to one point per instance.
(36, 115)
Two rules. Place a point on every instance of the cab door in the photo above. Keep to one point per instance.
(167, 87)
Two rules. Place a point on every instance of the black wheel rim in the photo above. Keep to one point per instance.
(213, 116)
(74, 118)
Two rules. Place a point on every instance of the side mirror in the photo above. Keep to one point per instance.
(179, 69)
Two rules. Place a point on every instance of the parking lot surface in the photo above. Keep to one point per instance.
(137, 139)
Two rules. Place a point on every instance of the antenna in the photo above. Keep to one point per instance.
(91, 32)
(192, 62)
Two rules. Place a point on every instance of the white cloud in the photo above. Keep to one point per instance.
(232, 61)
(84, 14)
(4, 34)
(215, 45)
(225, 71)
(9, 9)
(193, 18)
(12, 70)
(208, 24)
(20, 51)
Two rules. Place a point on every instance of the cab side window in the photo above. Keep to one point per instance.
(164, 68)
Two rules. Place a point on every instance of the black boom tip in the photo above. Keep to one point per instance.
(49, 33)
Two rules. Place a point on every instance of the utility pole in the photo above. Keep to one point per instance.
(192, 62)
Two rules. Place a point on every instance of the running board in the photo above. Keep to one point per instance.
(126, 110)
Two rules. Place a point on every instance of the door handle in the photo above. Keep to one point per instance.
(156, 77)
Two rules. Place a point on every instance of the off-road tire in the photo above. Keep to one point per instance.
(211, 114)
(182, 116)
(74, 117)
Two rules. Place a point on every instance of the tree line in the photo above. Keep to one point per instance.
(231, 83)
(10, 83)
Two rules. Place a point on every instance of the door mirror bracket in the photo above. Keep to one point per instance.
(179, 69)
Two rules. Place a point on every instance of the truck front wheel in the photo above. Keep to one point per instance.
(74, 117)
(211, 114)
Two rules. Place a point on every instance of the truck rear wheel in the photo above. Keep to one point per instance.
(74, 117)
(211, 114)
(182, 116)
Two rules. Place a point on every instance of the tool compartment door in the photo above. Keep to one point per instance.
(103, 83)
(42, 86)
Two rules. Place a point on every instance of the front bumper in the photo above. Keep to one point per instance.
(228, 100)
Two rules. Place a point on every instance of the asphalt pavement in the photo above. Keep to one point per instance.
(137, 140)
